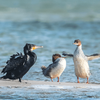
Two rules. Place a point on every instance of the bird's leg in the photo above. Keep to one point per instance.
(51, 79)
(78, 80)
(58, 79)
(19, 79)
(87, 80)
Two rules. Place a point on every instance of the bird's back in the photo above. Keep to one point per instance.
(15, 61)
(55, 69)
(18, 66)
(58, 68)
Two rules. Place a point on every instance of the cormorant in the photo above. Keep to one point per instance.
(19, 64)
(56, 68)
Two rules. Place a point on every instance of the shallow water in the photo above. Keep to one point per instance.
(41, 93)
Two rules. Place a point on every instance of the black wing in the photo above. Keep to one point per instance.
(50, 67)
(93, 56)
(15, 61)
(89, 57)
(66, 54)
(48, 70)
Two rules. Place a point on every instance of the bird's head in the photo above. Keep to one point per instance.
(55, 56)
(77, 42)
(30, 47)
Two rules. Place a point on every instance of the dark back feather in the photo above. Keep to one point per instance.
(15, 61)
(46, 71)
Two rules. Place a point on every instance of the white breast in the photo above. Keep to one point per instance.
(81, 63)
(58, 68)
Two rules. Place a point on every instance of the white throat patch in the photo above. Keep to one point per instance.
(28, 57)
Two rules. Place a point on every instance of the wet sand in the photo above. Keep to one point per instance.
(40, 84)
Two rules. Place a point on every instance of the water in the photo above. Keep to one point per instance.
(50, 10)
(53, 93)
(55, 37)
(54, 25)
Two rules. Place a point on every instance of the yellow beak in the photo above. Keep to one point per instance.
(35, 47)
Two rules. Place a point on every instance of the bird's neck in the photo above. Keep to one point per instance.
(79, 50)
(30, 54)
(27, 52)
(31, 58)
(79, 47)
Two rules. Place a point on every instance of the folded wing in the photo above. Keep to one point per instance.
(46, 71)
(15, 61)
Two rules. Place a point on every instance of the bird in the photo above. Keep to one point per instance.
(56, 68)
(18, 64)
(81, 61)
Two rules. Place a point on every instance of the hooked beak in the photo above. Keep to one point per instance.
(35, 47)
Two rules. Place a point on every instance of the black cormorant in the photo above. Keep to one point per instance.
(19, 64)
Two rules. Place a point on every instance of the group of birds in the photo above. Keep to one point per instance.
(19, 64)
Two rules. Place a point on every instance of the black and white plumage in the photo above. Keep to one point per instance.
(19, 64)
(89, 57)
(56, 68)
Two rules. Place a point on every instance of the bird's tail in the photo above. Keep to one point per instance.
(43, 68)
(3, 77)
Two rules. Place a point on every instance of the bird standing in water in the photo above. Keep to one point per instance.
(19, 64)
(81, 61)
(56, 68)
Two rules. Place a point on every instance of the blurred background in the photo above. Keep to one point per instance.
(49, 10)
(54, 24)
